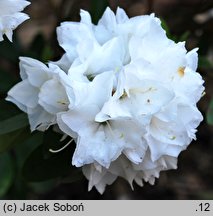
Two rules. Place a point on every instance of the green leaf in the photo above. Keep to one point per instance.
(13, 124)
(75, 175)
(52, 141)
(166, 28)
(9, 140)
(7, 173)
(7, 109)
(47, 165)
(175, 38)
(6, 81)
(47, 53)
(36, 47)
(20, 189)
(23, 150)
(203, 62)
(43, 187)
(210, 113)
(44, 169)
(10, 51)
(97, 9)
(184, 36)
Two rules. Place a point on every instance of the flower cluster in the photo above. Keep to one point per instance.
(123, 91)
(11, 17)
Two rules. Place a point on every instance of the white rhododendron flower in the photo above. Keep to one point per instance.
(41, 93)
(129, 96)
(11, 16)
(148, 170)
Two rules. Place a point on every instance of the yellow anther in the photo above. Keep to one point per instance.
(181, 71)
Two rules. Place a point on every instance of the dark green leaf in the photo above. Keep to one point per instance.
(23, 150)
(166, 28)
(43, 187)
(75, 175)
(6, 81)
(20, 189)
(97, 9)
(184, 36)
(47, 53)
(52, 141)
(44, 169)
(204, 63)
(175, 38)
(7, 109)
(36, 47)
(13, 123)
(46, 165)
(10, 51)
(9, 140)
(210, 113)
(203, 44)
(6, 173)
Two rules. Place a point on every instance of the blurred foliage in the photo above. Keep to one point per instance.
(204, 63)
(7, 173)
(46, 165)
(210, 113)
(27, 168)
(175, 38)
(97, 9)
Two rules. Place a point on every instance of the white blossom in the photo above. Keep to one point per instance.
(147, 171)
(100, 141)
(41, 93)
(123, 91)
(136, 93)
(11, 16)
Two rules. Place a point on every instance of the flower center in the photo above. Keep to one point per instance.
(181, 71)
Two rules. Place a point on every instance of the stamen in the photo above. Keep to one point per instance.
(203, 94)
(62, 102)
(61, 149)
(110, 129)
(113, 91)
(181, 71)
(124, 95)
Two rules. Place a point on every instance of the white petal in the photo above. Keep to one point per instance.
(64, 63)
(85, 17)
(108, 19)
(96, 92)
(10, 22)
(52, 97)
(36, 72)
(102, 34)
(192, 86)
(40, 119)
(80, 118)
(25, 94)
(69, 34)
(11, 6)
(108, 57)
(63, 124)
(192, 59)
(11, 17)
(145, 98)
(98, 179)
(121, 16)
(191, 118)
(150, 44)
(122, 167)
(169, 132)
